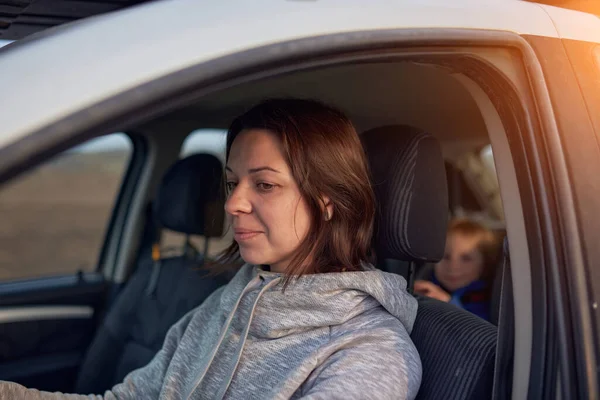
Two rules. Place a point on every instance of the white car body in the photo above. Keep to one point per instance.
(165, 37)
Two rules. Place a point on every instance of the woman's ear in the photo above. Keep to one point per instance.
(327, 208)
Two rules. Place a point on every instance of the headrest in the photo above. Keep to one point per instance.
(410, 187)
(190, 197)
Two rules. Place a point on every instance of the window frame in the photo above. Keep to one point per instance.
(570, 86)
(124, 198)
(530, 128)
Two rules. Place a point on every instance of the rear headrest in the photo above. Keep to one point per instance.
(410, 186)
(190, 197)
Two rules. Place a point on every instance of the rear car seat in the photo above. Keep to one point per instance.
(457, 349)
(160, 291)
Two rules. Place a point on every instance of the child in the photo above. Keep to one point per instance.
(463, 276)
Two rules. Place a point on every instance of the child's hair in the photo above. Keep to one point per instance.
(488, 243)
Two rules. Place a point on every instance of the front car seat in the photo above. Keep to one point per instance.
(160, 291)
(457, 348)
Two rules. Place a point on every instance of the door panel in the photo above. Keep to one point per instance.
(45, 328)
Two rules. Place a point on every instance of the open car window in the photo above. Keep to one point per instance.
(54, 218)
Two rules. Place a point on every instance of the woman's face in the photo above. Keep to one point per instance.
(269, 216)
(462, 262)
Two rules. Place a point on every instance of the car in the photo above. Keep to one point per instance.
(96, 111)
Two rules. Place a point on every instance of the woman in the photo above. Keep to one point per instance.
(463, 276)
(306, 316)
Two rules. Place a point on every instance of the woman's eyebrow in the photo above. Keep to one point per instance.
(259, 169)
(255, 170)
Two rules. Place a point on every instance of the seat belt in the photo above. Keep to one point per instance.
(503, 369)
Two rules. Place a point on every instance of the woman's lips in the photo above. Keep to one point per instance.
(244, 235)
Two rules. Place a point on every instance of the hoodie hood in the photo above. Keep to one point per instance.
(318, 300)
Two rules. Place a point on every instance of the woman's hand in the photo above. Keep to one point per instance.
(429, 289)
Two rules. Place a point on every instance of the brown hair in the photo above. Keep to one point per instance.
(488, 244)
(326, 158)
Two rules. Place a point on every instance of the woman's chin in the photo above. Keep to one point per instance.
(251, 257)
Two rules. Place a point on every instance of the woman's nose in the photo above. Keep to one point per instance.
(237, 202)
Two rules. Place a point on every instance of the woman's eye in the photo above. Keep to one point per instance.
(230, 186)
(265, 187)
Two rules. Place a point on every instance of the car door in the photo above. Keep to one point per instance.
(107, 90)
(54, 220)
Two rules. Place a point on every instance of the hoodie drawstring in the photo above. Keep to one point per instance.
(224, 333)
(244, 336)
(221, 337)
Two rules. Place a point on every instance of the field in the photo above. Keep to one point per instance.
(53, 219)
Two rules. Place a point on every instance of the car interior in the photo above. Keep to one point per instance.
(162, 289)
(424, 128)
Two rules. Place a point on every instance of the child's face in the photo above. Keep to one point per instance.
(462, 262)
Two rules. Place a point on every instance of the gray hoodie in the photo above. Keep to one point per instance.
(327, 336)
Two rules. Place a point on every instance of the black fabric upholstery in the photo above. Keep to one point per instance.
(457, 350)
(189, 201)
(190, 197)
(409, 180)
(137, 324)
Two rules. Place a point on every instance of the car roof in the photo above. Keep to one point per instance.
(28, 17)
(81, 65)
